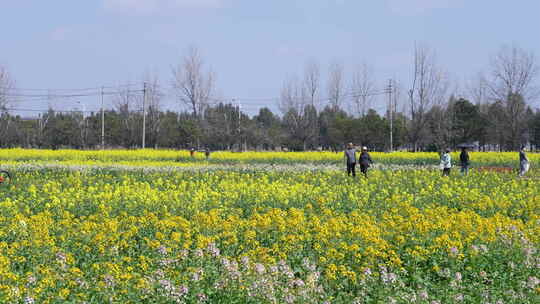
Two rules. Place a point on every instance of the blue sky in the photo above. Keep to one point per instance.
(252, 46)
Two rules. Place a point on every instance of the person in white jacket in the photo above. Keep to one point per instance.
(446, 163)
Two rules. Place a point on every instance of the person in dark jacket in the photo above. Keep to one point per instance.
(365, 161)
(350, 156)
(523, 162)
(465, 161)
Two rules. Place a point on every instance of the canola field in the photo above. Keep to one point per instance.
(173, 158)
(100, 227)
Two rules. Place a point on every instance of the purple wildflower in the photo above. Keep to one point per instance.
(183, 290)
(184, 253)
(259, 268)
(109, 281)
(532, 282)
(213, 250)
(167, 285)
(61, 258)
(289, 299)
(202, 297)
(245, 261)
(297, 283)
(29, 300)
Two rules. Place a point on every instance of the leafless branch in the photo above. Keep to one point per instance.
(193, 84)
(312, 82)
(336, 85)
(363, 85)
(7, 84)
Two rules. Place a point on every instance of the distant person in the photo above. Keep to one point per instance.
(365, 161)
(192, 152)
(523, 162)
(207, 153)
(350, 156)
(465, 161)
(446, 163)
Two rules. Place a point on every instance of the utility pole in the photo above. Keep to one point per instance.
(239, 127)
(85, 124)
(144, 117)
(395, 102)
(102, 122)
(82, 110)
(390, 114)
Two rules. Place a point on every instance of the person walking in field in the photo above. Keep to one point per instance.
(207, 153)
(446, 163)
(365, 161)
(523, 162)
(465, 161)
(350, 157)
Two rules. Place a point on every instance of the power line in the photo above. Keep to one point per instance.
(63, 111)
(46, 110)
(74, 89)
(52, 97)
(66, 95)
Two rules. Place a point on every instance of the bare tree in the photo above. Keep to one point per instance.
(512, 82)
(193, 84)
(291, 96)
(42, 124)
(127, 102)
(6, 93)
(363, 87)
(6, 88)
(153, 104)
(428, 88)
(336, 91)
(477, 89)
(312, 82)
(311, 92)
(513, 72)
(439, 123)
(43, 119)
(82, 123)
(299, 115)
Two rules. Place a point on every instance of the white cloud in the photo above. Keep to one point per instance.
(157, 6)
(418, 7)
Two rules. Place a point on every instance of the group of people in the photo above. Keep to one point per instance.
(446, 162)
(365, 161)
(205, 151)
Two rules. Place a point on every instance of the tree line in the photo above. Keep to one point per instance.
(496, 112)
